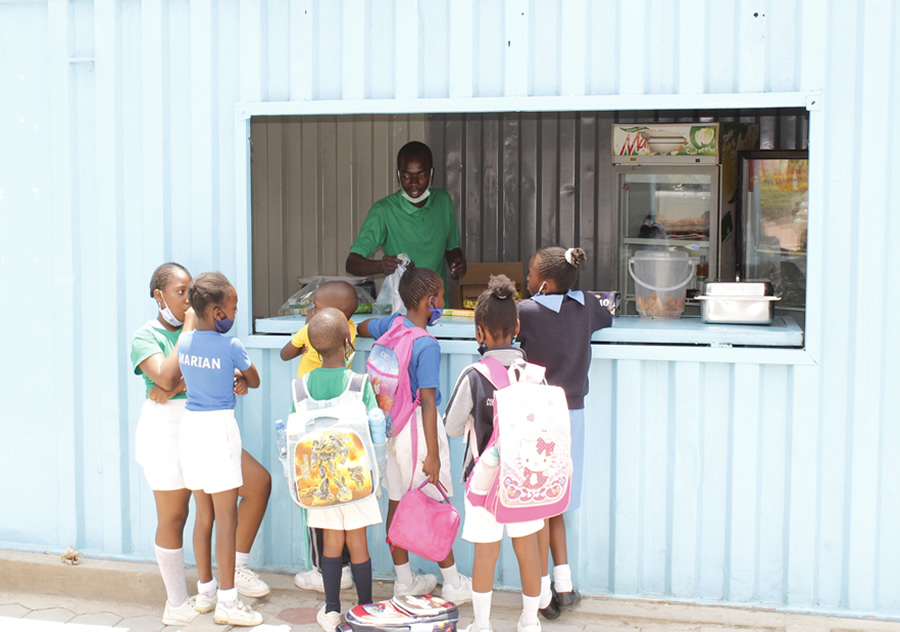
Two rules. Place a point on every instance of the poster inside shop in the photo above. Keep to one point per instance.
(666, 143)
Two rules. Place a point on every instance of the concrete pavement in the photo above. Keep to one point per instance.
(38, 593)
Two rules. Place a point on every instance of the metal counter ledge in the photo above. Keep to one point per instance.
(634, 330)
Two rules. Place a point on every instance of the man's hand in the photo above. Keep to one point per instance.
(457, 262)
(389, 264)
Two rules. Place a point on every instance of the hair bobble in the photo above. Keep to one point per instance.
(570, 256)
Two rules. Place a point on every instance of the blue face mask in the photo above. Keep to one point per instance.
(436, 313)
(224, 325)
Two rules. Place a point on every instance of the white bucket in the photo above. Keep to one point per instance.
(661, 278)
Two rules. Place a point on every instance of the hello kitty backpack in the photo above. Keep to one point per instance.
(532, 432)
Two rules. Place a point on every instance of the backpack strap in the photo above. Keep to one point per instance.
(494, 371)
(357, 384)
(299, 391)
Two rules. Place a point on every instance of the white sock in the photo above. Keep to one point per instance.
(546, 595)
(241, 560)
(481, 607)
(530, 609)
(562, 577)
(227, 597)
(404, 574)
(451, 577)
(171, 567)
(209, 588)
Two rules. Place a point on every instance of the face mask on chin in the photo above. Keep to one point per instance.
(168, 316)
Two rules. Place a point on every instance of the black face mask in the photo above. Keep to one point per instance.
(482, 348)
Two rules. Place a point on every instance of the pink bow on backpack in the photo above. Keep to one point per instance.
(545, 446)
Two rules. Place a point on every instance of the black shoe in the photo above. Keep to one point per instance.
(568, 600)
(551, 611)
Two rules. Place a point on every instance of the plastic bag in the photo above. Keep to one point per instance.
(300, 301)
(388, 300)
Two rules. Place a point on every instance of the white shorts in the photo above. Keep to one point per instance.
(156, 444)
(345, 517)
(400, 461)
(210, 448)
(481, 526)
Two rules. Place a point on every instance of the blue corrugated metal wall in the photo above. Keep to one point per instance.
(119, 151)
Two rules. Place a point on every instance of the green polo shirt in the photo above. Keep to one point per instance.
(425, 234)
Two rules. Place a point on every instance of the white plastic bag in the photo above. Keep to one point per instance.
(388, 300)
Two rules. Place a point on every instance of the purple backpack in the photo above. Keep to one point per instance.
(388, 368)
(533, 434)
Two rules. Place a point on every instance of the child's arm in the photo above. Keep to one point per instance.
(362, 329)
(460, 407)
(251, 376)
(296, 346)
(432, 465)
(161, 396)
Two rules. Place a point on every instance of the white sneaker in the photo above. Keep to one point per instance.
(421, 585)
(312, 580)
(248, 583)
(474, 628)
(328, 620)
(460, 594)
(205, 603)
(346, 578)
(236, 614)
(185, 613)
(535, 627)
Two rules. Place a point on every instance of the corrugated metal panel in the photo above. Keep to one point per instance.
(313, 180)
(121, 121)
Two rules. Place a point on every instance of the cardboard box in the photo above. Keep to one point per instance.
(477, 276)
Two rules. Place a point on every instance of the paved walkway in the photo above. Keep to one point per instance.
(38, 593)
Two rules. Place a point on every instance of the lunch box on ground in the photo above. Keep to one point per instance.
(738, 302)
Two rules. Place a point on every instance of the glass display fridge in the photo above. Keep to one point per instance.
(676, 186)
(772, 215)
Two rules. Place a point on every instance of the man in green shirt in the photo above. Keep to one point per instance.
(417, 220)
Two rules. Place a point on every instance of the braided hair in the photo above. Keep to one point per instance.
(208, 290)
(163, 274)
(496, 310)
(418, 283)
(560, 265)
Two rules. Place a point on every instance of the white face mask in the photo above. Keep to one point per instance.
(421, 198)
(168, 316)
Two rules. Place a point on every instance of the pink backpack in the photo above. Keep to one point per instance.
(532, 431)
(388, 368)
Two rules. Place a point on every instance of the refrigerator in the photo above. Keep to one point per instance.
(676, 189)
(772, 213)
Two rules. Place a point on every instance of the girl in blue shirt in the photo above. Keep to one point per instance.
(422, 292)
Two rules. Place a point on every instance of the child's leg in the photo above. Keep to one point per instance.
(360, 564)
(203, 526)
(566, 595)
(546, 606)
(486, 554)
(225, 510)
(331, 568)
(527, 553)
(399, 555)
(171, 516)
(254, 495)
